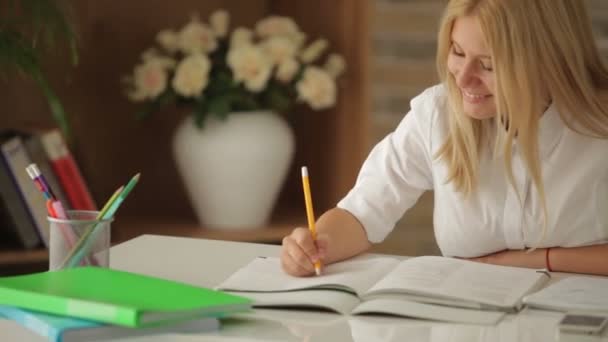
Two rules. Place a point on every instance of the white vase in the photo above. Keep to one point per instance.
(233, 169)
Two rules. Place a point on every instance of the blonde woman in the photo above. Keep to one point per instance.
(514, 143)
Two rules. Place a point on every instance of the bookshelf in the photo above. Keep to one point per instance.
(109, 145)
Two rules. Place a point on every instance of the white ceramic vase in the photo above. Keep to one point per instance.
(233, 169)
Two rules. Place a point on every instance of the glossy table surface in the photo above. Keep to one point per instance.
(208, 262)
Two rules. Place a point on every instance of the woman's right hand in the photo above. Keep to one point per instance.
(299, 252)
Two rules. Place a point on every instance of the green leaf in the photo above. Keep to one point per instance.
(220, 106)
(14, 52)
(23, 22)
(200, 113)
(55, 105)
(148, 109)
(154, 106)
(277, 98)
(49, 18)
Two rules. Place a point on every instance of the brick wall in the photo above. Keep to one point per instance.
(403, 54)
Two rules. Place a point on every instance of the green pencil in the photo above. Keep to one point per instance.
(108, 211)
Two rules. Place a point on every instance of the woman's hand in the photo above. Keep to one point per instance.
(299, 252)
(516, 258)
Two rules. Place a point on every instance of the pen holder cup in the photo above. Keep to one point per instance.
(79, 240)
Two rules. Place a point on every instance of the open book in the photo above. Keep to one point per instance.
(424, 287)
(572, 294)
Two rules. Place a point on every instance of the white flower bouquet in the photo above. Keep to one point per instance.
(270, 67)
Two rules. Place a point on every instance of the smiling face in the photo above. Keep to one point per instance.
(470, 63)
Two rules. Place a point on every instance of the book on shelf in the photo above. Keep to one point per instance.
(10, 237)
(16, 223)
(57, 328)
(15, 160)
(116, 297)
(426, 287)
(573, 294)
(67, 171)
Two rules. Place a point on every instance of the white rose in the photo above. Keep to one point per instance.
(168, 39)
(192, 75)
(317, 88)
(149, 53)
(278, 49)
(153, 54)
(335, 65)
(219, 22)
(251, 66)
(197, 37)
(276, 25)
(149, 80)
(298, 39)
(287, 70)
(241, 36)
(314, 50)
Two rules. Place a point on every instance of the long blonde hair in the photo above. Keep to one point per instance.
(542, 51)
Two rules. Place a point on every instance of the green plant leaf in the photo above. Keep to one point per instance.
(220, 106)
(200, 112)
(277, 98)
(49, 18)
(151, 107)
(14, 52)
(55, 105)
(21, 26)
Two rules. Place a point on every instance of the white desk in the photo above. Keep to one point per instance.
(208, 262)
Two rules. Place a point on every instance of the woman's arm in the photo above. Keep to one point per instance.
(346, 234)
(587, 259)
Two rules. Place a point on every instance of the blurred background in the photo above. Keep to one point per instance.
(388, 47)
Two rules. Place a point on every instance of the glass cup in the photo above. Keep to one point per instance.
(79, 240)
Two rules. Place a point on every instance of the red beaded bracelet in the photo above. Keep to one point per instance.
(547, 263)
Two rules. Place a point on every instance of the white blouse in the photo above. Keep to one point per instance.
(401, 167)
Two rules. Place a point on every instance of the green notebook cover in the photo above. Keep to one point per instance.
(116, 297)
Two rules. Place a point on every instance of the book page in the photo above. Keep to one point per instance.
(406, 308)
(266, 275)
(464, 280)
(573, 293)
(332, 300)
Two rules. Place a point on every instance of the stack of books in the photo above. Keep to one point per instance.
(94, 303)
(22, 209)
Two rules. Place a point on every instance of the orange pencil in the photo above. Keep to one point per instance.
(310, 216)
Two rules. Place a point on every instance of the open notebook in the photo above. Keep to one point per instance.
(425, 287)
(573, 294)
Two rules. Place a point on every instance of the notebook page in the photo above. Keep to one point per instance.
(266, 275)
(460, 279)
(338, 301)
(573, 293)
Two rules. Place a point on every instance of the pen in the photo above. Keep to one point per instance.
(53, 205)
(310, 216)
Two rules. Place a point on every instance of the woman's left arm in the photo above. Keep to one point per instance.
(587, 259)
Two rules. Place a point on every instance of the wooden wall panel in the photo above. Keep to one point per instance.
(110, 145)
(333, 142)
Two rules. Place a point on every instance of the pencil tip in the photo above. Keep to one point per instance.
(304, 171)
(137, 176)
(318, 271)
